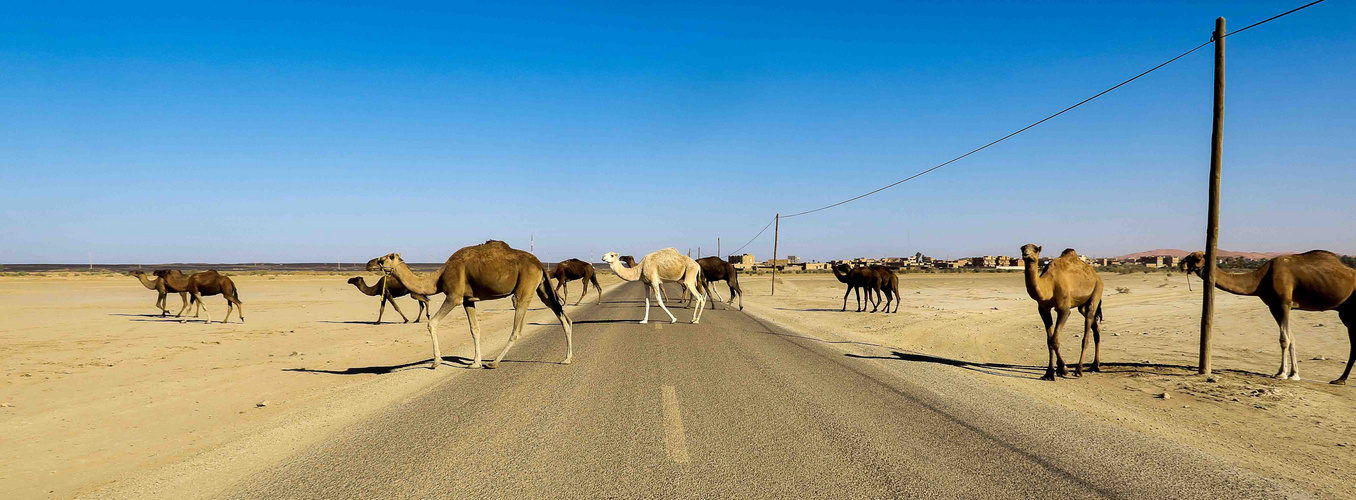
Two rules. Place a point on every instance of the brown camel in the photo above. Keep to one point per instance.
(856, 278)
(1312, 281)
(717, 269)
(1066, 283)
(206, 283)
(575, 269)
(488, 271)
(888, 282)
(158, 285)
(392, 289)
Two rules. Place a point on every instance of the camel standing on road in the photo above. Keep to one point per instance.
(391, 289)
(661, 266)
(159, 286)
(680, 296)
(856, 278)
(203, 284)
(888, 283)
(575, 269)
(1066, 283)
(491, 270)
(717, 269)
(1312, 281)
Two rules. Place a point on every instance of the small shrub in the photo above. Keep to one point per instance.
(1121, 289)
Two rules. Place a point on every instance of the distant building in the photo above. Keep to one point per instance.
(792, 259)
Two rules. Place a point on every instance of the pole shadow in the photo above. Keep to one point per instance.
(383, 370)
(1032, 371)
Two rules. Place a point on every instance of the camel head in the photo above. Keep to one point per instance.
(611, 257)
(355, 280)
(1031, 253)
(385, 263)
(629, 260)
(1192, 262)
(137, 273)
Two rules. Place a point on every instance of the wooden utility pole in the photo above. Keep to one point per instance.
(718, 254)
(1212, 220)
(776, 236)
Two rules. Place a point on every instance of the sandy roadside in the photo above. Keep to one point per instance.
(103, 398)
(1301, 431)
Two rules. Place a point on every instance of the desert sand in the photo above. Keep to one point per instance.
(102, 398)
(987, 326)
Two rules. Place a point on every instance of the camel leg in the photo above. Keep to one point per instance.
(698, 297)
(1049, 341)
(184, 308)
(423, 310)
(717, 292)
(474, 322)
(1281, 312)
(1061, 315)
(861, 307)
(1087, 333)
(1348, 316)
(448, 305)
(845, 294)
(229, 305)
(201, 307)
(664, 308)
(564, 292)
(584, 283)
(381, 310)
(395, 306)
(1096, 344)
(565, 323)
(735, 290)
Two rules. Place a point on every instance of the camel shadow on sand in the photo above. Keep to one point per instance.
(383, 370)
(1035, 371)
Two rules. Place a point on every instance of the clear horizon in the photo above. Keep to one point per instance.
(290, 133)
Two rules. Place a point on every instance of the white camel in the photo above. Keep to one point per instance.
(659, 267)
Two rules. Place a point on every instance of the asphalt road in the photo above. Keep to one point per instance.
(732, 408)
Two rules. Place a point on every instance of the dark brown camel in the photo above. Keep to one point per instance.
(158, 285)
(856, 278)
(571, 270)
(717, 269)
(393, 289)
(1312, 281)
(888, 282)
(488, 271)
(203, 284)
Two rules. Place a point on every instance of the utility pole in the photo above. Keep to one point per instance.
(532, 243)
(776, 236)
(718, 254)
(1212, 220)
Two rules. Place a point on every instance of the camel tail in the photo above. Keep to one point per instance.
(548, 294)
(1099, 311)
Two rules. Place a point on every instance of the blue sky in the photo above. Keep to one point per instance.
(284, 132)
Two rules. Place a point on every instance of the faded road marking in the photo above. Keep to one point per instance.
(675, 439)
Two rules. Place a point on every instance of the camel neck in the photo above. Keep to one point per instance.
(1238, 284)
(369, 290)
(150, 284)
(1037, 286)
(625, 273)
(423, 285)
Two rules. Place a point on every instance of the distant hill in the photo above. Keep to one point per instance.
(1183, 253)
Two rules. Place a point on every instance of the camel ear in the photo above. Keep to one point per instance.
(1038, 249)
(397, 256)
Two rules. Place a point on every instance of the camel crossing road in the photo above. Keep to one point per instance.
(732, 407)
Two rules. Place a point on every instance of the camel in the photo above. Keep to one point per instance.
(631, 262)
(887, 281)
(1312, 281)
(202, 284)
(658, 267)
(158, 285)
(1066, 283)
(391, 289)
(575, 269)
(717, 269)
(856, 278)
(488, 271)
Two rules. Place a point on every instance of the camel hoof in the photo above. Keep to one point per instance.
(1048, 376)
(644, 322)
(1095, 368)
(491, 365)
(566, 361)
(433, 365)
(1295, 377)
(1340, 381)
(1280, 376)
(475, 366)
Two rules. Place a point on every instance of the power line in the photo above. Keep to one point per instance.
(755, 236)
(1048, 118)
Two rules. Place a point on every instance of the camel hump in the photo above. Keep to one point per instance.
(1068, 251)
(496, 243)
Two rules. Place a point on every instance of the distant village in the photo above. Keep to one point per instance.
(920, 262)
